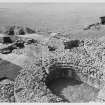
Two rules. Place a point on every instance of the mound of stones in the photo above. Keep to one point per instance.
(8, 34)
(17, 44)
(9, 48)
(17, 30)
(84, 62)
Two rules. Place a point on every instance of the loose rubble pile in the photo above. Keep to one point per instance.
(18, 44)
(85, 60)
(7, 91)
(59, 57)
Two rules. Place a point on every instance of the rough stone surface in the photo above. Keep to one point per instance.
(31, 83)
(30, 86)
(85, 63)
(7, 91)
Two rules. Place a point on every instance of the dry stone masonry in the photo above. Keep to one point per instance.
(59, 57)
(84, 63)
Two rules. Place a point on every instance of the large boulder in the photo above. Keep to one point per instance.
(6, 40)
(55, 43)
(73, 43)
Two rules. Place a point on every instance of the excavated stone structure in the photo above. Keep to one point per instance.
(84, 63)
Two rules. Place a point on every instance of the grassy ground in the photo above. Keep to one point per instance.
(8, 69)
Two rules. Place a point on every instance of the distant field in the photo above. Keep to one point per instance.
(66, 17)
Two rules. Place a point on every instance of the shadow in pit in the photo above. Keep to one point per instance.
(61, 78)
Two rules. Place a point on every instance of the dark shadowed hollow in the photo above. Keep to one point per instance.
(70, 87)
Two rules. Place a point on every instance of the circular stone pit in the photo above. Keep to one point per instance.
(35, 85)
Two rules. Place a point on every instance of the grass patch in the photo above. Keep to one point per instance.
(8, 69)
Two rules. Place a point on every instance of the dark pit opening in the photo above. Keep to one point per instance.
(69, 86)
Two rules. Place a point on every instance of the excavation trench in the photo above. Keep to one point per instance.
(64, 82)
